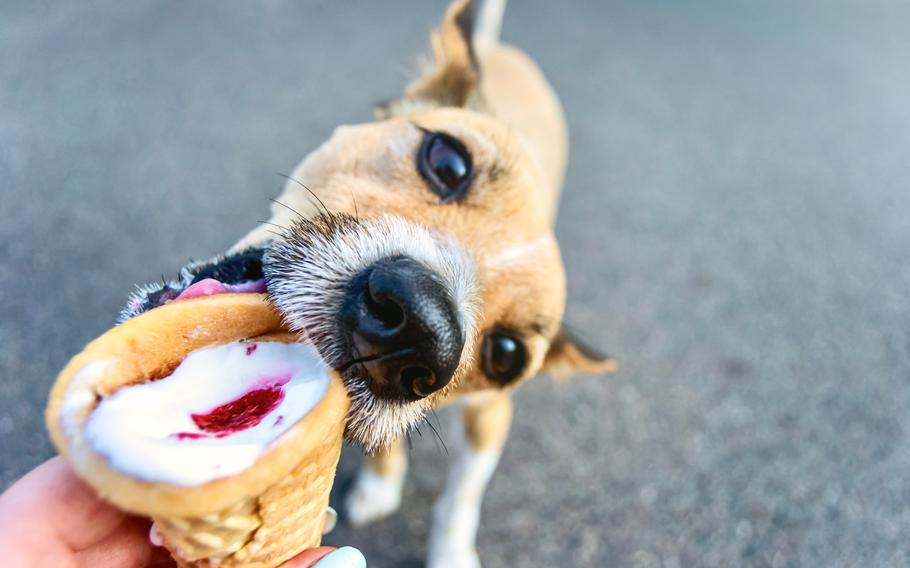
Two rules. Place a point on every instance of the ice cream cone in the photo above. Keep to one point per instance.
(259, 516)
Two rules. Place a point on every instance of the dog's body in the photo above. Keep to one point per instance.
(517, 94)
(429, 282)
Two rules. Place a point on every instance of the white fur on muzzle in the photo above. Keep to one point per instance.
(308, 271)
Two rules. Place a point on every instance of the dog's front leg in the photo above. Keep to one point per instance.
(377, 490)
(457, 512)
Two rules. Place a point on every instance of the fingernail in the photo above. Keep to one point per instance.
(154, 537)
(346, 557)
(331, 519)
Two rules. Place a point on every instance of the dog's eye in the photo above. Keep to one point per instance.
(445, 164)
(504, 356)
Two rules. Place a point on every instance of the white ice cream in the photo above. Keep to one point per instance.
(166, 430)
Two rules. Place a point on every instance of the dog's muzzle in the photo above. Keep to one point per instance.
(386, 302)
(402, 327)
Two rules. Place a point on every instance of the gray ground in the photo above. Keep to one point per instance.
(735, 226)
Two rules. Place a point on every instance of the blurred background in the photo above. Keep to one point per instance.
(735, 226)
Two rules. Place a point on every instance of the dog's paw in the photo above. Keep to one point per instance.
(373, 497)
(444, 555)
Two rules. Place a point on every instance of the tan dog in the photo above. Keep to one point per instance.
(427, 269)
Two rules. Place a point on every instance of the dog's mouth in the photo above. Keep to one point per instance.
(230, 274)
(383, 301)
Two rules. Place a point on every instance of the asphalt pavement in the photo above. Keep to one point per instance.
(735, 226)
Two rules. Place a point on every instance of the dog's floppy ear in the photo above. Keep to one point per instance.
(454, 75)
(568, 356)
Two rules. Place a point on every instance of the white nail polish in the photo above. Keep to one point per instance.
(154, 537)
(331, 519)
(346, 557)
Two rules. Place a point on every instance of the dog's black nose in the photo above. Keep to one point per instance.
(403, 327)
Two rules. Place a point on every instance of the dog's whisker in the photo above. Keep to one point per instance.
(436, 416)
(283, 228)
(356, 212)
(285, 205)
(310, 191)
(437, 434)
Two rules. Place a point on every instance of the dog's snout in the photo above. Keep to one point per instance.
(403, 328)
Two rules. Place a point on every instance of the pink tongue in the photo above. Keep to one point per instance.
(210, 287)
(207, 287)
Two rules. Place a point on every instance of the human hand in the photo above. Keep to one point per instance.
(51, 518)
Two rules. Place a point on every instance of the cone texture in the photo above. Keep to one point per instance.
(263, 531)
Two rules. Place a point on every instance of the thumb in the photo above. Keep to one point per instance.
(328, 557)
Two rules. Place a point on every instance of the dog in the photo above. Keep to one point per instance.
(417, 254)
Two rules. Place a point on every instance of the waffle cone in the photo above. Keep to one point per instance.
(259, 517)
(264, 530)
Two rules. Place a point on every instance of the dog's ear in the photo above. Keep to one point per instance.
(568, 356)
(453, 77)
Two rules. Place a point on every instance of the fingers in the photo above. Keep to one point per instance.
(326, 557)
(346, 557)
(127, 545)
(55, 519)
(52, 509)
(331, 520)
(161, 558)
(51, 501)
(308, 558)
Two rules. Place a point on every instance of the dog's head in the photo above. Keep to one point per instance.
(423, 263)
(428, 270)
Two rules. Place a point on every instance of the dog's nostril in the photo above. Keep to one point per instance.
(389, 312)
(418, 380)
(399, 317)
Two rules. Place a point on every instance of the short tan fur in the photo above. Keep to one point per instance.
(497, 102)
